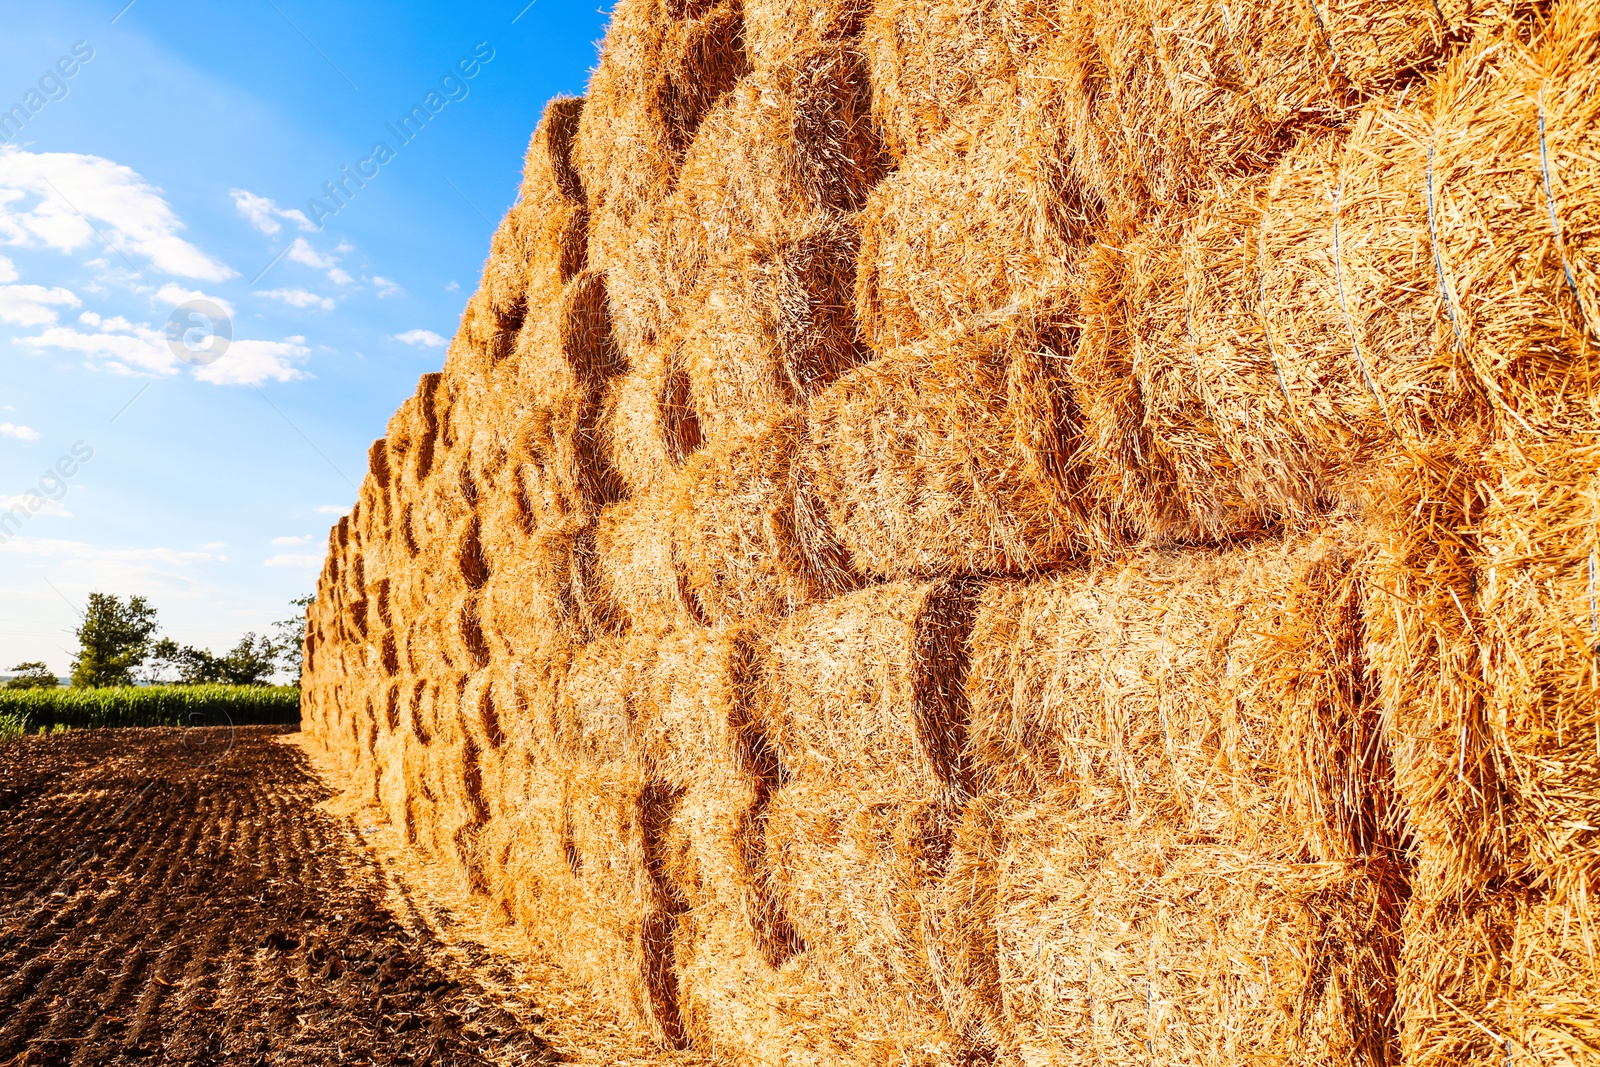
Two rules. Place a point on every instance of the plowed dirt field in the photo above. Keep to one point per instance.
(177, 896)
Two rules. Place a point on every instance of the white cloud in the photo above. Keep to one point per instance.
(386, 288)
(132, 348)
(300, 298)
(453, 287)
(263, 213)
(421, 339)
(54, 508)
(173, 295)
(255, 362)
(302, 252)
(290, 560)
(21, 433)
(124, 347)
(43, 193)
(40, 546)
(291, 540)
(332, 509)
(33, 305)
(339, 277)
(8, 270)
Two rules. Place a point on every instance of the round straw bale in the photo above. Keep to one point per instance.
(753, 537)
(772, 330)
(1539, 577)
(1516, 188)
(647, 419)
(986, 216)
(660, 72)
(958, 925)
(600, 699)
(869, 687)
(786, 146)
(853, 869)
(930, 61)
(1503, 974)
(1124, 943)
(1222, 692)
(1426, 634)
(777, 30)
(640, 569)
(957, 455)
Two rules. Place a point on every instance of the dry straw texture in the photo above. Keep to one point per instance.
(1017, 533)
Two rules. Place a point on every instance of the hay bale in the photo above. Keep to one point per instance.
(1425, 632)
(777, 30)
(752, 533)
(1537, 577)
(868, 688)
(1508, 974)
(1517, 215)
(1221, 693)
(957, 455)
(852, 868)
(987, 216)
(929, 62)
(664, 64)
(774, 164)
(773, 329)
(1127, 942)
(640, 570)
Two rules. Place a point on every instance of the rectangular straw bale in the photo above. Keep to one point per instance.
(1222, 692)
(1506, 974)
(1516, 186)
(852, 869)
(931, 61)
(986, 216)
(868, 687)
(958, 455)
(751, 530)
(1127, 942)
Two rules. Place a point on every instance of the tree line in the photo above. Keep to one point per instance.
(118, 645)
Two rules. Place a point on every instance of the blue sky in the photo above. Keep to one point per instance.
(169, 154)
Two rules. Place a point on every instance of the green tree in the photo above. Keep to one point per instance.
(34, 675)
(291, 637)
(252, 662)
(114, 640)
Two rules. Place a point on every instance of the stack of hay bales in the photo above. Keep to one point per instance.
(1020, 532)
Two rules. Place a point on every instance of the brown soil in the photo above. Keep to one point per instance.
(178, 896)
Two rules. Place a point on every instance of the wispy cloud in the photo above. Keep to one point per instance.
(421, 339)
(8, 270)
(21, 433)
(263, 213)
(291, 540)
(257, 362)
(386, 288)
(53, 508)
(333, 509)
(56, 199)
(300, 298)
(33, 305)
